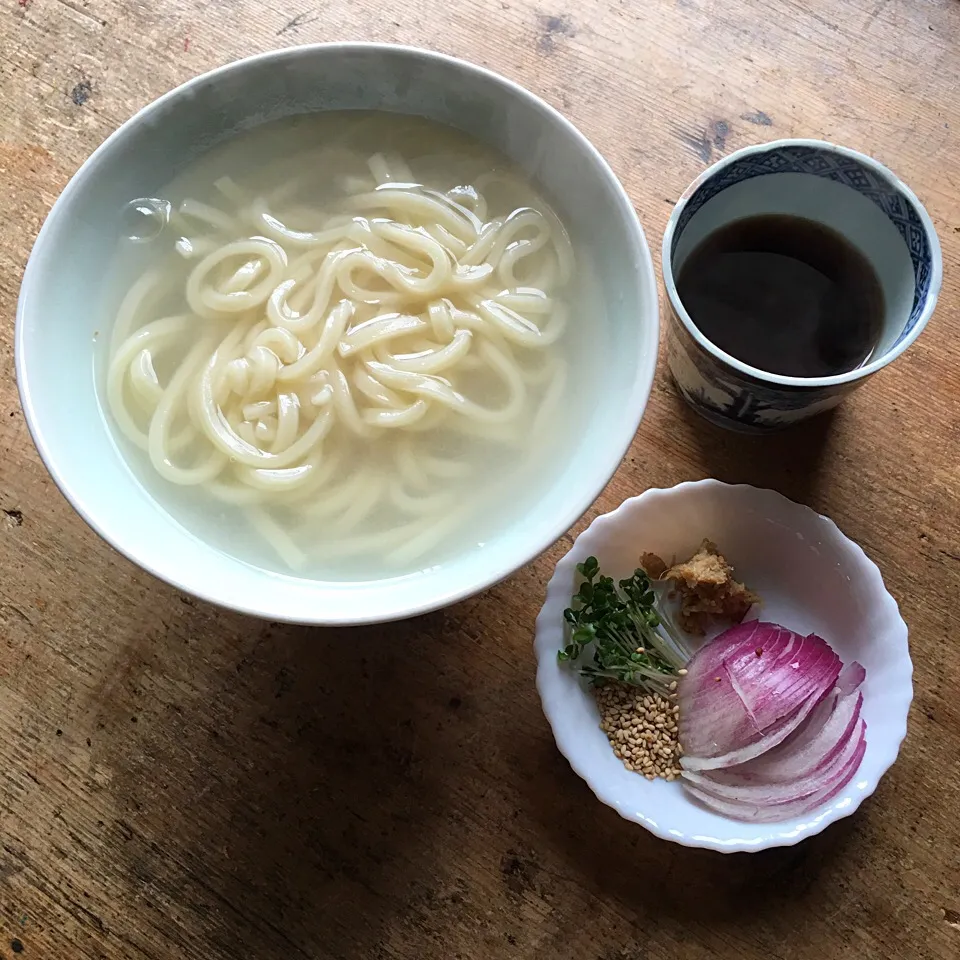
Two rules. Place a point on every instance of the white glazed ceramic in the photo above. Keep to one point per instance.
(843, 189)
(811, 579)
(56, 324)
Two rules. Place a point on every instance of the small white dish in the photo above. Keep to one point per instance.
(811, 579)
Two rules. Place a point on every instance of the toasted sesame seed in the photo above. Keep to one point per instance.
(642, 729)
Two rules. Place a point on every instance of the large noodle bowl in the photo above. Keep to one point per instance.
(356, 350)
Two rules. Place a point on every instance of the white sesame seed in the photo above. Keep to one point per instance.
(642, 730)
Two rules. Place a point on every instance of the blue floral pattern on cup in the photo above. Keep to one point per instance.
(729, 399)
(734, 399)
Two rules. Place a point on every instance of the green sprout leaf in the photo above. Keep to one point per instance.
(629, 639)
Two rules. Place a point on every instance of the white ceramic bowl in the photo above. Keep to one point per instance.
(810, 577)
(56, 322)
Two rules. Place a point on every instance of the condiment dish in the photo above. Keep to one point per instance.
(811, 578)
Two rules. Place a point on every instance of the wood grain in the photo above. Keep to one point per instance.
(176, 780)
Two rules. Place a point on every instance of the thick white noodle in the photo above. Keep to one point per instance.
(303, 373)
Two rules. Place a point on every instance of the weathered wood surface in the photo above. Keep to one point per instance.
(179, 781)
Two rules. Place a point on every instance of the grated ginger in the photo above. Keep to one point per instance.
(705, 587)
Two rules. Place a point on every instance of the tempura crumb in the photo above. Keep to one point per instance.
(705, 587)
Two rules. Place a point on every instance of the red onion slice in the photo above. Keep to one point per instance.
(774, 736)
(812, 744)
(742, 787)
(747, 690)
(815, 743)
(771, 812)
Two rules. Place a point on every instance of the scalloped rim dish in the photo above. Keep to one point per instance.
(666, 809)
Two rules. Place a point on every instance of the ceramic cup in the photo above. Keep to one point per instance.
(840, 188)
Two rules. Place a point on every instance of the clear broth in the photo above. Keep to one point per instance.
(504, 481)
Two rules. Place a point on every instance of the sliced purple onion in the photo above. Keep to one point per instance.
(770, 722)
(773, 812)
(749, 689)
(729, 785)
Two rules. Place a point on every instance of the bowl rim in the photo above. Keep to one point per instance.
(621, 435)
(777, 379)
(552, 700)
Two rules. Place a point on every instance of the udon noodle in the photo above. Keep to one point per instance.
(340, 340)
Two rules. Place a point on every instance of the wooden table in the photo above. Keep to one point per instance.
(180, 781)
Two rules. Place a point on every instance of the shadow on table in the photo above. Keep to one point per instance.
(792, 461)
(295, 793)
(745, 896)
(291, 793)
(282, 801)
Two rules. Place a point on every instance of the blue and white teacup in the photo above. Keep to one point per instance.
(840, 188)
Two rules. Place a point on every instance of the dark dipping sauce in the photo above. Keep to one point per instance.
(784, 294)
